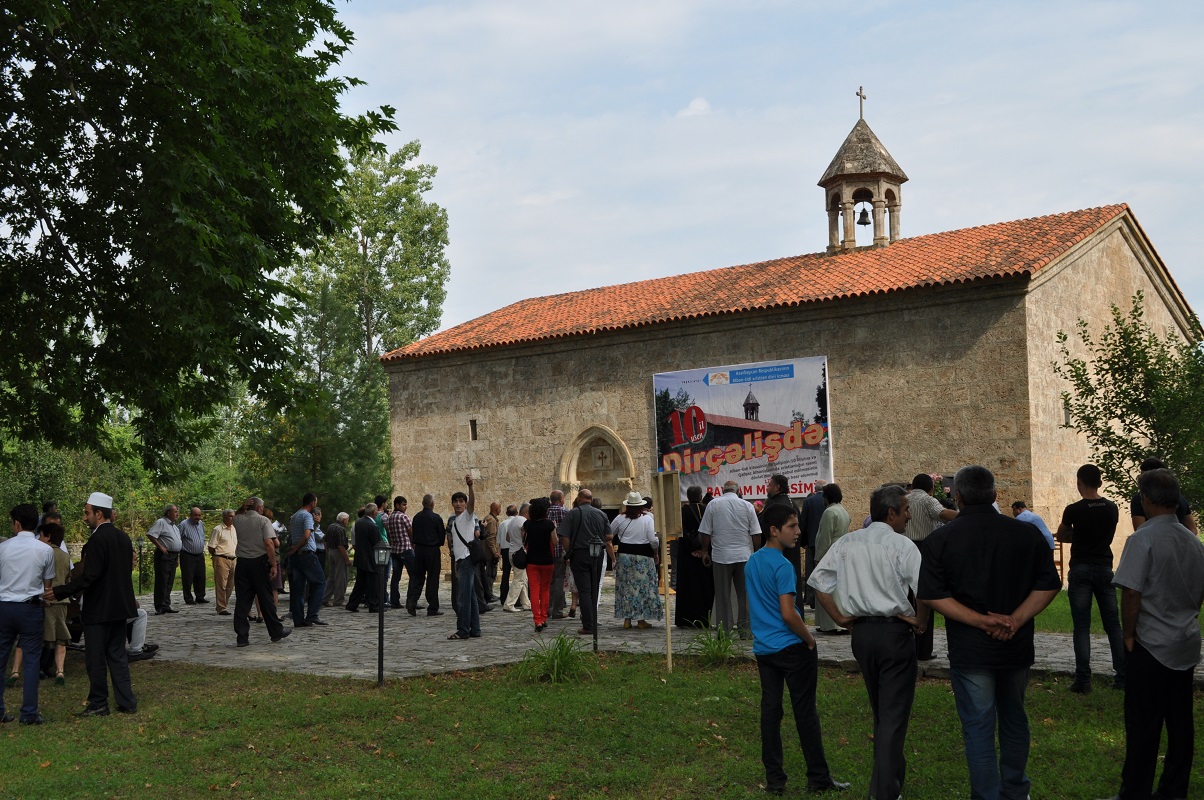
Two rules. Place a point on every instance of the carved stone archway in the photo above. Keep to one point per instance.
(600, 461)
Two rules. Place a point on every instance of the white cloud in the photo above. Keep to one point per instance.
(697, 108)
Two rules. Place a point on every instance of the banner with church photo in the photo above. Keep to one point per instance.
(745, 422)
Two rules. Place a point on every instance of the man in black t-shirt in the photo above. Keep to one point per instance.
(428, 539)
(1183, 510)
(1089, 526)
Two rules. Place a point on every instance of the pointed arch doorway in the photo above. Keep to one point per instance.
(598, 459)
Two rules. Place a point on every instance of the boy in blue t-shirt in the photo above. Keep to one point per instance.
(785, 651)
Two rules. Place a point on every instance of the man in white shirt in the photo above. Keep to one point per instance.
(26, 574)
(464, 528)
(867, 582)
(730, 532)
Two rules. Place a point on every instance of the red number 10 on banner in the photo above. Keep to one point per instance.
(689, 426)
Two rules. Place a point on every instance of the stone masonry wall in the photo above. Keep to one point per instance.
(1086, 285)
(927, 380)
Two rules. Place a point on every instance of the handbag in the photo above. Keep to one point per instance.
(518, 559)
(476, 548)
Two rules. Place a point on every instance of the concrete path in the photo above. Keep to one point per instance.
(419, 645)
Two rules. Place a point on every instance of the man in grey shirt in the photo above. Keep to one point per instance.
(166, 538)
(1161, 576)
(253, 573)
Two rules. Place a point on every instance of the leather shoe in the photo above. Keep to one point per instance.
(434, 613)
(302, 624)
(201, 601)
(8, 718)
(484, 608)
(99, 711)
(141, 655)
(243, 644)
(317, 622)
(124, 710)
(413, 612)
(283, 635)
(171, 611)
(833, 786)
(150, 648)
(36, 719)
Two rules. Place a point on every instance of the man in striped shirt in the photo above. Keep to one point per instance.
(401, 548)
(927, 514)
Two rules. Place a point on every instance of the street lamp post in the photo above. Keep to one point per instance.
(380, 555)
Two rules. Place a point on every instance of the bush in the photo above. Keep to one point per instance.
(715, 646)
(560, 661)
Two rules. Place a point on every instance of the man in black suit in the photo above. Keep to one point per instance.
(108, 589)
(365, 536)
(428, 534)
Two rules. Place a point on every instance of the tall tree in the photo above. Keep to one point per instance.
(163, 161)
(1137, 394)
(393, 270)
(358, 295)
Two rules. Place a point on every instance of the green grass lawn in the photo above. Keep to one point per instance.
(630, 731)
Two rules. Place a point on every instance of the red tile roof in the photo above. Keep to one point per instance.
(1007, 249)
(746, 424)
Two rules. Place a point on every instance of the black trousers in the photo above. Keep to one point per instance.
(400, 561)
(251, 581)
(1155, 696)
(192, 576)
(427, 564)
(886, 654)
(797, 668)
(803, 564)
(587, 574)
(165, 578)
(488, 572)
(367, 587)
(504, 590)
(104, 657)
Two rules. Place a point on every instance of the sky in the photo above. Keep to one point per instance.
(589, 144)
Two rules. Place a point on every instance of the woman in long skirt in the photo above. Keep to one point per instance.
(636, 580)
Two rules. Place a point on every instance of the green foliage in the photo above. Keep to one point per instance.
(1137, 394)
(163, 161)
(564, 660)
(715, 646)
(354, 298)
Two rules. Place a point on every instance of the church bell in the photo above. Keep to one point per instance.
(864, 218)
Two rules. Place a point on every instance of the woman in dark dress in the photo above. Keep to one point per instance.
(695, 584)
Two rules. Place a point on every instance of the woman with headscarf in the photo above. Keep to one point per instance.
(832, 525)
(695, 584)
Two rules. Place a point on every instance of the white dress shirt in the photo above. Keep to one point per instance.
(731, 522)
(869, 572)
(25, 563)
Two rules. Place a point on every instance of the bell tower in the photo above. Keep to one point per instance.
(862, 173)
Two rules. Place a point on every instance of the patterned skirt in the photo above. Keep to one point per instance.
(636, 583)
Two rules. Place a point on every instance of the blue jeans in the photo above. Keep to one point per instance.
(307, 578)
(1087, 581)
(981, 697)
(797, 668)
(468, 613)
(21, 625)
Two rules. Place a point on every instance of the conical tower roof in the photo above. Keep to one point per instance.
(751, 400)
(862, 154)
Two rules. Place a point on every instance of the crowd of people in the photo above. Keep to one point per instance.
(745, 569)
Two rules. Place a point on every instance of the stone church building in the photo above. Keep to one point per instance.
(939, 350)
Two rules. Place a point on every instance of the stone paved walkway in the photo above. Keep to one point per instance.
(419, 645)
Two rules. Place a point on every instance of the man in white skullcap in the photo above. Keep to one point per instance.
(108, 592)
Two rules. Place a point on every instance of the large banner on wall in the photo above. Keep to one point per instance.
(745, 422)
